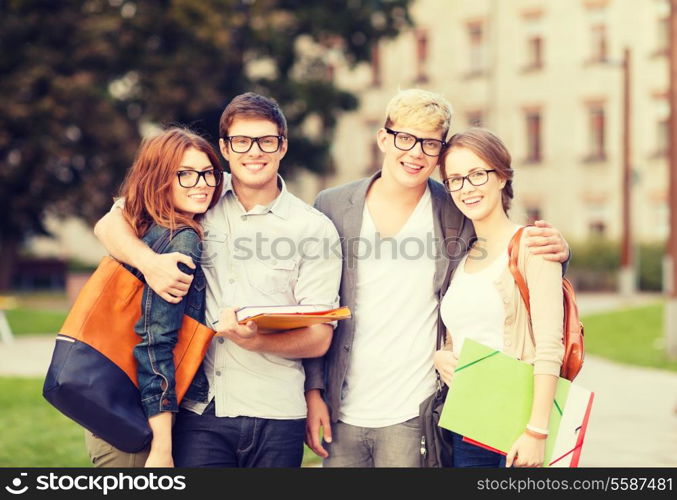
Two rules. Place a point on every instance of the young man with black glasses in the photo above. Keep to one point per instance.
(262, 246)
(402, 236)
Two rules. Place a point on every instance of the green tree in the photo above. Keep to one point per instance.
(79, 79)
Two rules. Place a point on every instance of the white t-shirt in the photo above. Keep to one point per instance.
(473, 308)
(391, 368)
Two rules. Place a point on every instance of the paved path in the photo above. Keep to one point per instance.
(633, 421)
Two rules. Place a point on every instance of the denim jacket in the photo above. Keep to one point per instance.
(158, 328)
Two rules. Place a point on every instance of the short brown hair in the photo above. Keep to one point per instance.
(493, 152)
(147, 188)
(252, 105)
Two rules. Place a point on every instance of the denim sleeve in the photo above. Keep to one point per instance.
(158, 328)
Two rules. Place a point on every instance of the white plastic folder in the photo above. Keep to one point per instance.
(489, 403)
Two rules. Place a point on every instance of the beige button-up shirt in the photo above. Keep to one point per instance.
(284, 253)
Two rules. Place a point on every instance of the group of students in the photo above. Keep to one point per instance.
(350, 390)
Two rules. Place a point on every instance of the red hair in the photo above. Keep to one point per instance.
(147, 188)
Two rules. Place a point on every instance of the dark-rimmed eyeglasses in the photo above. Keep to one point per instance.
(476, 178)
(406, 142)
(243, 143)
(190, 178)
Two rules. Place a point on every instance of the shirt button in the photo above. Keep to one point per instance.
(508, 321)
(221, 340)
(346, 348)
(231, 281)
(508, 343)
(218, 373)
(506, 300)
(244, 218)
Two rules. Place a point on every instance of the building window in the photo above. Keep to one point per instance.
(477, 48)
(533, 30)
(534, 127)
(534, 53)
(533, 214)
(475, 118)
(596, 132)
(598, 43)
(421, 55)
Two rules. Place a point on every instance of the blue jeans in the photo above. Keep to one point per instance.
(469, 455)
(210, 441)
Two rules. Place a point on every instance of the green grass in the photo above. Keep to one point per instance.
(633, 336)
(35, 434)
(24, 320)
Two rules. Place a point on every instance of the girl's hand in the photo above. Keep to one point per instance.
(445, 364)
(527, 451)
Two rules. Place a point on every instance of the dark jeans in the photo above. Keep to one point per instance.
(210, 441)
(469, 455)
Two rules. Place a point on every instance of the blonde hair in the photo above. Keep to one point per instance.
(421, 109)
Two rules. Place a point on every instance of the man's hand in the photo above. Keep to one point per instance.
(163, 275)
(246, 336)
(445, 364)
(159, 459)
(318, 417)
(547, 241)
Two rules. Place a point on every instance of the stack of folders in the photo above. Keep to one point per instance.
(489, 403)
(290, 317)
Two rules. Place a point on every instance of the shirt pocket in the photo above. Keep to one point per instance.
(272, 276)
(214, 247)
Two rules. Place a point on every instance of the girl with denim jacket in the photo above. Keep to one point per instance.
(172, 182)
(483, 301)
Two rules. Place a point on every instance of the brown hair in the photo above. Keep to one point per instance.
(252, 105)
(491, 150)
(147, 188)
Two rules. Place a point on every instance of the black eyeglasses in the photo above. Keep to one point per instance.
(190, 178)
(406, 142)
(243, 143)
(476, 178)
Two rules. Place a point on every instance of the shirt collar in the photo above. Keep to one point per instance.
(280, 206)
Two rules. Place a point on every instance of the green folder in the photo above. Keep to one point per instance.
(490, 399)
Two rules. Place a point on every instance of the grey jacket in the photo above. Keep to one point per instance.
(344, 205)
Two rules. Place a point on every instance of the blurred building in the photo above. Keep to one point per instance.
(546, 76)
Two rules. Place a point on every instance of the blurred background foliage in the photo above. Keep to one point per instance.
(596, 263)
(81, 79)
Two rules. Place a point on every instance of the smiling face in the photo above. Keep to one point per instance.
(475, 202)
(194, 200)
(254, 169)
(407, 168)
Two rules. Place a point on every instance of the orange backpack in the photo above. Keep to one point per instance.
(573, 328)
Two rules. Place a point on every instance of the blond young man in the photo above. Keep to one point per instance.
(401, 239)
